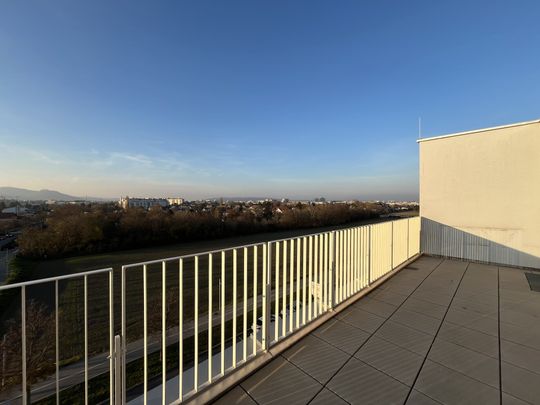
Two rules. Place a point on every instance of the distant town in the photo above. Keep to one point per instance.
(13, 211)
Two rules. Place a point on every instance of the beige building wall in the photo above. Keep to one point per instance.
(480, 195)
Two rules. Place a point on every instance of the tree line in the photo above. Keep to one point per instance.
(75, 230)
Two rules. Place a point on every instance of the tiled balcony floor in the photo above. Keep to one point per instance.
(440, 331)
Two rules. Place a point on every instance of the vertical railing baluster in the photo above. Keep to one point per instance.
(298, 283)
(392, 246)
(284, 298)
(326, 271)
(332, 287)
(321, 273)
(56, 344)
(196, 329)
(86, 340)
(255, 300)
(111, 335)
(210, 314)
(235, 282)
(356, 261)
(276, 298)
(310, 279)
(123, 326)
(408, 237)
(369, 255)
(163, 332)
(145, 335)
(244, 318)
(304, 269)
(180, 329)
(337, 268)
(222, 312)
(267, 294)
(23, 344)
(343, 275)
(316, 291)
(291, 288)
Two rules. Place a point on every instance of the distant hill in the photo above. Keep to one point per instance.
(14, 193)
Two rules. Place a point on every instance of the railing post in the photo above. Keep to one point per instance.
(268, 297)
(117, 370)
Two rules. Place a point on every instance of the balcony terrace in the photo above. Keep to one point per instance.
(439, 331)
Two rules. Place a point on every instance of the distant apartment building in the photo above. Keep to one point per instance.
(480, 195)
(175, 200)
(146, 203)
(17, 210)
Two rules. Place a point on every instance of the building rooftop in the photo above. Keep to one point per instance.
(439, 331)
(474, 131)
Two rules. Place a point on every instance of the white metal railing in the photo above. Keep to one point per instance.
(23, 390)
(189, 320)
(266, 292)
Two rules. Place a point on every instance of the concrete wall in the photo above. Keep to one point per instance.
(480, 195)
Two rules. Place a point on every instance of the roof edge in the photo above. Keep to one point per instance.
(517, 124)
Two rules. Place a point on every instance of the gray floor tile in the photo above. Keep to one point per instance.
(361, 319)
(521, 356)
(508, 399)
(433, 297)
(393, 360)
(473, 320)
(316, 357)
(450, 387)
(405, 337)
(424, 307)
(388, 296)
(416, 320)
(527, 336)
(520, 383)
(376, 307)
(280, 382)
(342, 335)
(417, 398)
(359, 383)
(517, 317)
(466, 361)
(480, 342)
(236, 396)
(476, 307)
(327, 397)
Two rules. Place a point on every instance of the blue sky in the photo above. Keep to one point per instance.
(291, 99)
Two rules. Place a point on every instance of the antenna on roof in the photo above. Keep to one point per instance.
(419, 127)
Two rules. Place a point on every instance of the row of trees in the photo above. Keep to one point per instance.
(73, 229)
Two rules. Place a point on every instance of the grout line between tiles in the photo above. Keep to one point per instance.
(440, 325)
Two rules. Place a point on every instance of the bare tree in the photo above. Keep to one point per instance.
(40, 345)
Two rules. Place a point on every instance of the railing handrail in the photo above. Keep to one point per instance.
(213, 251)
(55, 278)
